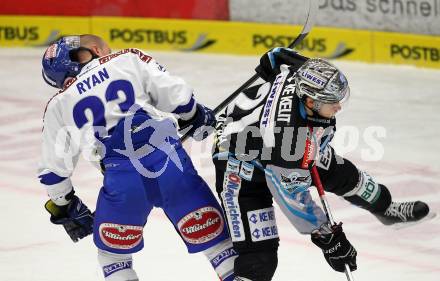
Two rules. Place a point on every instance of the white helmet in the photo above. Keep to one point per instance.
(321, 81)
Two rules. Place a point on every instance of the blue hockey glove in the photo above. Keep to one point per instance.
(75, 217)
(201, 125)
(271, 61)
(336, 248)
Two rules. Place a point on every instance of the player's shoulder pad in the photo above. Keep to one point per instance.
(127, 52)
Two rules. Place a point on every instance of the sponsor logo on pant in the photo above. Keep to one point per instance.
(120, 236)
(231, 189)
(262, 224)
(201, 226)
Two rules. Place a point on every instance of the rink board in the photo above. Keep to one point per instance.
(225, 37)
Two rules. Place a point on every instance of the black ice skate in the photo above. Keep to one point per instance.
(402, 213)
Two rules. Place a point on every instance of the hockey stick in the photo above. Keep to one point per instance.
(325, 205)
(311, 15)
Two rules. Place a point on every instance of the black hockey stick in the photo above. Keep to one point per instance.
(317, 182)
(311, 15)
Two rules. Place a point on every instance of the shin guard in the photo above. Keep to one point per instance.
(117, 267)
(222, 258)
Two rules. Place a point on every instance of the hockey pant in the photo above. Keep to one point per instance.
(250, 216)
(164, 178)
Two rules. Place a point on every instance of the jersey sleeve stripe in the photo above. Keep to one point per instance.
(51, 179)
(185, 108)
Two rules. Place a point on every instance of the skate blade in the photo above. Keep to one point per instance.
(400, 225)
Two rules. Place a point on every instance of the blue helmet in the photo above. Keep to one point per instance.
(58, 63)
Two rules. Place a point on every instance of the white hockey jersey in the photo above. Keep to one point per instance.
(95, 100)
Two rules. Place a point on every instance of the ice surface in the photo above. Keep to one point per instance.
(403, 102)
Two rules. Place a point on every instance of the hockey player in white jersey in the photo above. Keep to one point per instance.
(267, 141)
(126, 107)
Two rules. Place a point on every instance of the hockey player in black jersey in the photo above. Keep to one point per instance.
(267, 140)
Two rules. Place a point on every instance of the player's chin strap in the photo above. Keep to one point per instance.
(316, 106)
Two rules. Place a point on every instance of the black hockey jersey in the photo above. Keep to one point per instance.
(268, 124)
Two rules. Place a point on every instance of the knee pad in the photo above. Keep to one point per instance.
(117, 267)
(256, 266)
(368, 194)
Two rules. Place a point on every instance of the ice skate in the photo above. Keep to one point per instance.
(401, 214)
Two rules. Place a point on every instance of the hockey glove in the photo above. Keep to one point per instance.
(271, 61)
(75, 217)
(201, 125)
(336, 248)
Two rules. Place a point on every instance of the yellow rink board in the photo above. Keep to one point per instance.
(24, 31)
(225, 37)
(407, 49)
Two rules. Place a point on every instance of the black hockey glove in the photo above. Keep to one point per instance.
(270, 62)
(201, 125)
(336, 248)
(75, 217)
